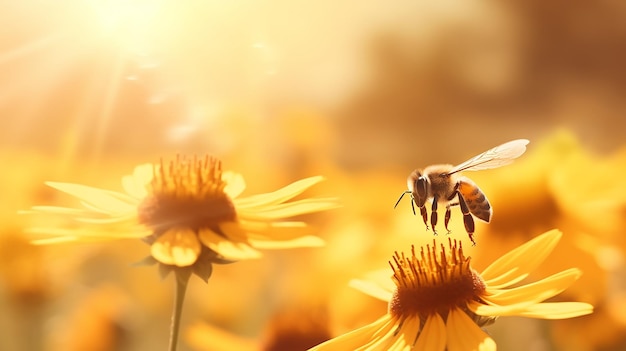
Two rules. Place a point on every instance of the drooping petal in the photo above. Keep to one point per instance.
(537, 291)
(178, 247)
(519, 262)
(462, 334)
(281, 195)
(235, 184)
(355, 339)
(228, 249)
(433, 336)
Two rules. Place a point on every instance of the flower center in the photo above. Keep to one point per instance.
(433, 282)
(187, 193)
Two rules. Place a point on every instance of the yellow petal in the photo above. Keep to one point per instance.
(519, 262)
(84, 215)
(111, 220)
(144, 173)
(464, 335)
(406, 337)
(356, 339)
(235, 184)
(537, 291)
(99, 200)
(548, 310)
(280, 195)
(557, 310)
(380, 337)
(59, 210)
(229, 249)
(275, 230)
(233, 231)
(289, 209)
(56, 240)
(433, 336)
(135, 184)
(305, 241)
(176, 247)
(498, 310)
(93, 233)
(372, 288)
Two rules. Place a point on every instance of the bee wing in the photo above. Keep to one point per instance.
(498, 156)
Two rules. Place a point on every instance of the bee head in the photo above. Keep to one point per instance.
(418, 185)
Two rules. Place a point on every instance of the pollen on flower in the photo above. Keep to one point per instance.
(435, 281)
(186, 193)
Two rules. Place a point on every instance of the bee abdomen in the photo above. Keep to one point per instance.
(481, 209)
(476, 200)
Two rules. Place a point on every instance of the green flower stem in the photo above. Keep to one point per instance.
(179, 298)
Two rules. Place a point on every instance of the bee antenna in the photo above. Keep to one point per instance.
(400, 198)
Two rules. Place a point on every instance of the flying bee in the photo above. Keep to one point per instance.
(441, 184)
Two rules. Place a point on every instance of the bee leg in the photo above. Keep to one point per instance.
(455, 191)
(448, 212)
(448, 215)
(422, 211)
(447, 218)
(413, 204)
(424, 214)
(467, 219)
(433, 214)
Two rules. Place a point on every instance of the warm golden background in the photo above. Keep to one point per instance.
(362, 92)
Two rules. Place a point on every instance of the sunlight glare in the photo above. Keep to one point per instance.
(128, 22)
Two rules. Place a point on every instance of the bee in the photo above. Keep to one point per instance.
(441, 184)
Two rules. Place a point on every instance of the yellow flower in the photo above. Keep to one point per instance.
(438, 302)
(189, 211)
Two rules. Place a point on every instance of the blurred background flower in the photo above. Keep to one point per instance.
(361, 92)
